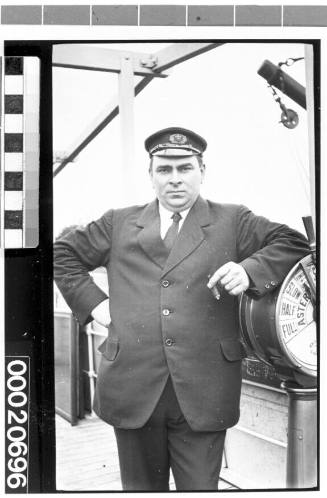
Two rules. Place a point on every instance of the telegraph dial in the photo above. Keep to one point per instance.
(296, 317)
(280, 328)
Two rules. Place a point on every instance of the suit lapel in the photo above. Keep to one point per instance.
(190, 236)
(149, 235)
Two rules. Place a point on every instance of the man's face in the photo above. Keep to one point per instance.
(176, 181)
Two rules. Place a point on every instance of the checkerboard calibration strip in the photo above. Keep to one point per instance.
(21, 152)
(166, 15)
(13, 151)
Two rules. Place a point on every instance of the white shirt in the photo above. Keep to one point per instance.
(166, 220)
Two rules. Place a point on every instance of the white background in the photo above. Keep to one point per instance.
(251, 158)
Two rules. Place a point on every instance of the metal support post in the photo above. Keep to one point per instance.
(126, 111)
(150, 67)
(301, 469)
(91, 371)
(309, 68)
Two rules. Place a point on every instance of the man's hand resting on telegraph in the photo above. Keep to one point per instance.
(101, 313)
(232, 277)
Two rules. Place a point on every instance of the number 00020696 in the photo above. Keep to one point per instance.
(17, 423)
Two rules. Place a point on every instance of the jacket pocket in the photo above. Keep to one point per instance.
(232, 349)
(109, 349)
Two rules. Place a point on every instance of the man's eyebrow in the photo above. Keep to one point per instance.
(170, 165)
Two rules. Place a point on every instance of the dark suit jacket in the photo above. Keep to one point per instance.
(155, 297)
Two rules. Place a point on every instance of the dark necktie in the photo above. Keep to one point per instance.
(172, 231)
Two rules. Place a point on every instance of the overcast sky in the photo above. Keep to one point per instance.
(251, 158)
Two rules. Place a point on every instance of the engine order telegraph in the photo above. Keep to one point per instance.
(280, 328)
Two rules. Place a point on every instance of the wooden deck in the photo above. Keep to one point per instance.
(87, 458)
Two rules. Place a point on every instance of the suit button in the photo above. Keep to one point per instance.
(165, 312)
(273, 282)
(169, 342)
(165, 283)
(267, 286)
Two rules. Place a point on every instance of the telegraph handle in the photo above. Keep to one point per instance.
(308, 225)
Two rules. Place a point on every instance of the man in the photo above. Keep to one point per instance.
(170, 375)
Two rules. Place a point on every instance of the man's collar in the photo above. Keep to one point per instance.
(200, 208)
(166, 214)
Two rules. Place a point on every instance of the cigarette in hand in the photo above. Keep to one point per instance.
(215, 292)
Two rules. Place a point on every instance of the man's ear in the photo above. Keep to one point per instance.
(151, 176)
(203, 170)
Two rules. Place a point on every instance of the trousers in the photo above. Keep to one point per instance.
(166, 442)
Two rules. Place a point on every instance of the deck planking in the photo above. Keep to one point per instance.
(87, 457)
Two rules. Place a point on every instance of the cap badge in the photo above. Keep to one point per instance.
(178, 139)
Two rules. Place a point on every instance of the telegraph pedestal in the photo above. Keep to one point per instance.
(301, 469)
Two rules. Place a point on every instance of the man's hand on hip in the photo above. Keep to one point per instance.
(232, 277)
(101, 313)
